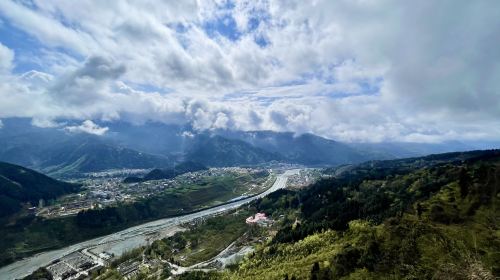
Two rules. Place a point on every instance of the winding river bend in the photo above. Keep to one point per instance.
(130, 238)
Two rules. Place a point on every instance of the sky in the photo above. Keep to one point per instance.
(349, 70)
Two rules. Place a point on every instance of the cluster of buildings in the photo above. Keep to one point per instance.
(114, 173)
(304, 178)
(73, 266)
(98, 192)
(102, 189)
(259, 219)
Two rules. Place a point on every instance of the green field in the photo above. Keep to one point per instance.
(220, 189)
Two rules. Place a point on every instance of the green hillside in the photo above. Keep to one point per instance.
(21, 185)
(91, 154)
(435, 217)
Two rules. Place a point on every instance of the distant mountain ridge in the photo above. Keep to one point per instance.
(156, 145)
(389, 150)
(215, 150)
(93, 154)
(307, 149)
(59, 153)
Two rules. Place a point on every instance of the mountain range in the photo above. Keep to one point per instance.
(307, 149)
(58, 152)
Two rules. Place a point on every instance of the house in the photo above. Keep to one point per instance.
(259, 219)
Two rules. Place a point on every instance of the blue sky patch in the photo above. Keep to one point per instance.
(29, 51)
(224, 26)
(23, 45)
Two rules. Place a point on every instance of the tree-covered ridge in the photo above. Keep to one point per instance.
(435, 217)
(439, 220)
(21, 185)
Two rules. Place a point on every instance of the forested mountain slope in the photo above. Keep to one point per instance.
(21, 185)
(435, 217)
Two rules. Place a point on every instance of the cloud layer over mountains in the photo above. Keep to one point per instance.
(350, 70)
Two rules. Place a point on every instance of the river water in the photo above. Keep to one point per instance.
(130, 238)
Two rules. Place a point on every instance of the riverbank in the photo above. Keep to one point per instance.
(129, 238)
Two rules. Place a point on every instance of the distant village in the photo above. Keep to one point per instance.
(107, 188)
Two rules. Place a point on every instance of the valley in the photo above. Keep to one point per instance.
(261, 223)
(156, 145)
(423, 218)
(105, 205)
(249, 140)
(101, 190)
(122, 241)
(434, 216)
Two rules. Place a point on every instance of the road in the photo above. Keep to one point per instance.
(130, 238)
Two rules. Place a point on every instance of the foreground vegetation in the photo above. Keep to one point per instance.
(429, 218)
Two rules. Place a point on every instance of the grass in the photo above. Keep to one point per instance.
(215, 190)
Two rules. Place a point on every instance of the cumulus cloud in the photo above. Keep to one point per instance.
(87, 84)
(44, 28)
(348, 70)
(89, 127)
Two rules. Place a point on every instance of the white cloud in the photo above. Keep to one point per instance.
(44, 122)
(6, 59)
(187, 134)
(348, 70)
(89, 127)
(45, 28)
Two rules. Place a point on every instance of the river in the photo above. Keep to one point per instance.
(129, 238)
